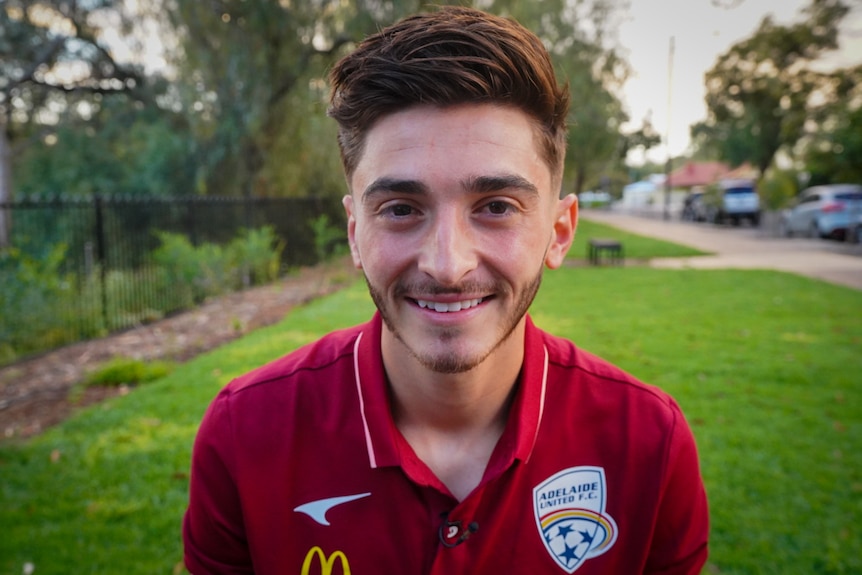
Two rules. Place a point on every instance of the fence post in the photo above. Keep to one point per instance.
(191, 228)
(101, 258)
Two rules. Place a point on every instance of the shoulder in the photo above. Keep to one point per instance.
(597, 398)
(595, 378)
(328, 354)
(289, 392)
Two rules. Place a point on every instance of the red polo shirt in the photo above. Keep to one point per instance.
(298, 469)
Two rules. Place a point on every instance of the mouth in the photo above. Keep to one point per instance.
(449, 307)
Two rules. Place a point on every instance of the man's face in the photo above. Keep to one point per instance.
(452, 218)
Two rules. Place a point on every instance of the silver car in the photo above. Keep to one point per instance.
(824, 211)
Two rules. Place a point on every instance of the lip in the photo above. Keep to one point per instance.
(451, 306)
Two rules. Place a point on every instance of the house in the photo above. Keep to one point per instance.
(696, 174)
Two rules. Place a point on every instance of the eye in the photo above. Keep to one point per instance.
(401, 210)
(499, 208)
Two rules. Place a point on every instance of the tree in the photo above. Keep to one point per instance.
(832, 148)
(577, 34)
(257, 70)
(254, 74)
(55, 62)
(759, 91)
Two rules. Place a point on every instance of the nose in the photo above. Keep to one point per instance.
(448, 251)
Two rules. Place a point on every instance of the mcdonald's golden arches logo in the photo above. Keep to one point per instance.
(326, 563)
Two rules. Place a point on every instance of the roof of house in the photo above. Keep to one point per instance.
(697, 174)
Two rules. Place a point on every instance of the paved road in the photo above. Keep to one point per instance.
(744, 248)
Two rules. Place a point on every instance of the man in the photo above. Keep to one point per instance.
(448, 434)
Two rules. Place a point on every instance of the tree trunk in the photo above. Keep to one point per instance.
(580, 178)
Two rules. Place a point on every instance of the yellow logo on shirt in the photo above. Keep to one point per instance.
(326, 563)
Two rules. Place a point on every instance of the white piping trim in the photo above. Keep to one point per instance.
(368, 444)
(541, 401)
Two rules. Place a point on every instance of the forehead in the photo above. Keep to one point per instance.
(433, 145)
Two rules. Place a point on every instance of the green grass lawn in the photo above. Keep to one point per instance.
(766, 366)
(636, 247)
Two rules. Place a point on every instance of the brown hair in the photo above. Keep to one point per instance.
(452, 56)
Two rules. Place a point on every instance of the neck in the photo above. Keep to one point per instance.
(453, 421)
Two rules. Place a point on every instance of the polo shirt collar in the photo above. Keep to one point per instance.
(382, 437)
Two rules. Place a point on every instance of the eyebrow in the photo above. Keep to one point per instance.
(493, 184)
(477, 184)
(386, 184)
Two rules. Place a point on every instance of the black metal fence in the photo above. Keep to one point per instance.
(97, 253)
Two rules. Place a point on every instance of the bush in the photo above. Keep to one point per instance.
(43, 307)
(194, 272)
(34, 297)
(122, 370)
(329, 240)
(257, 253)
(778, 189)
(209, 269)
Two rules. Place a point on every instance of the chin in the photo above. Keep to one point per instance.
(449, 364)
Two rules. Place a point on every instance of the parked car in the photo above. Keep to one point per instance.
(693, 209)
(824, 211)
(854, 232)
(733, 200)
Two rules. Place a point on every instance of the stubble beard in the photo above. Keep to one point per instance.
(453, 362)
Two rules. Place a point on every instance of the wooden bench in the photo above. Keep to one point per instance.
(612, 248)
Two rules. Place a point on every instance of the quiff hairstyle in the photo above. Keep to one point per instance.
(451, 56)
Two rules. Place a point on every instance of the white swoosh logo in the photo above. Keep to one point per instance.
(317, 509)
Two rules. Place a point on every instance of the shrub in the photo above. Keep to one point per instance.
(777, 189)
(123, 370)
(34, 297)
(42, 306)
(195, 272)
(329, 239)
(257, 253)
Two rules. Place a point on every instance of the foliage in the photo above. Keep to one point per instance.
(135, 152)
(833, 147)
(54, 58)
(255, 72)
(196, 272)
(329, 240)
(56, 66)
(244, 112)
(759, 92)
(206, 270)
(33, 294)
(105, 492)
(128, 371)
(257, 253)
(777, 189)
(43, 306)
(577, 36)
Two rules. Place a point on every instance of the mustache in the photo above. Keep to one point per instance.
(431, 288)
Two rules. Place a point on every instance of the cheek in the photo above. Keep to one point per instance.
(379, 256)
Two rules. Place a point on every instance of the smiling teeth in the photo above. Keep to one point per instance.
(449, 307)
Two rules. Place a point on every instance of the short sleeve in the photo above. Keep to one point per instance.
(679, 545)
(214, 537)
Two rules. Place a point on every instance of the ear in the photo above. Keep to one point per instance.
(563, 233)
(347, 202)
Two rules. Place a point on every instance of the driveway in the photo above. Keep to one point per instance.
(743, 248)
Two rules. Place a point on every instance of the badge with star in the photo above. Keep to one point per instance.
(569, 508)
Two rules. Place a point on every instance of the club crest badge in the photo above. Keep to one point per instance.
(570, 513)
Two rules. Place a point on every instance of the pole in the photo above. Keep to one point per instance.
(667, 135)
(102, 258)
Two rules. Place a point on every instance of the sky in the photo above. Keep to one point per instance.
(671, 90)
